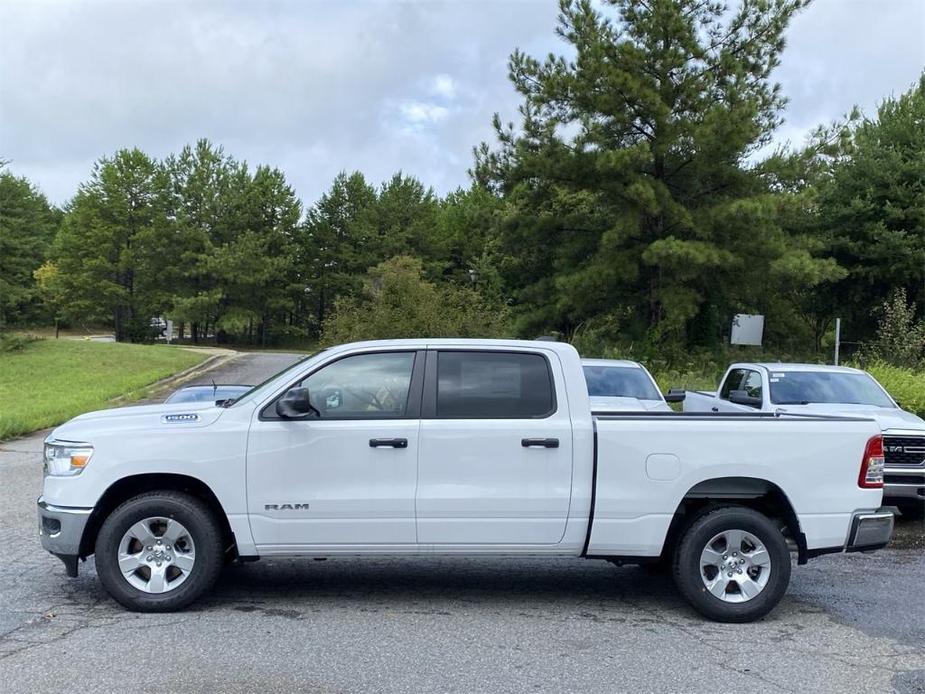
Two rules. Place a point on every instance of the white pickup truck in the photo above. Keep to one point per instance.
(620, 385)
(464, 447)
(830, 390)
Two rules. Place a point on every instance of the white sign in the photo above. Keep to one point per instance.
(168, 333)
(747, 329)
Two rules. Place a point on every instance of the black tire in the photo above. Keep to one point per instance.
(688, 572)
(203, 528)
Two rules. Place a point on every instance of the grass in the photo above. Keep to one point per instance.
(49, 381)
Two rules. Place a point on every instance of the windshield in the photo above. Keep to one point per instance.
(620, 382)
(806, 387)
(260, 385)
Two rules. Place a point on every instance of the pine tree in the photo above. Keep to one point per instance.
(632, 200)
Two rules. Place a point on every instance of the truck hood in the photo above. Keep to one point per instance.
(888, 418)
(616, 404)
(164, 417)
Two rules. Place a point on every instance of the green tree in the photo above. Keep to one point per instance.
(27, 228)
(256, 267)
(465, 241)
(397, 301)
(199, 204)
(337, 245)
(106, 260)
(406, 215)
(872, 207)
(631, 199)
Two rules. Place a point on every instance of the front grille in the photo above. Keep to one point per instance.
(904, 451)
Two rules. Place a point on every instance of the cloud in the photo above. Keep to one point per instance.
(418, 113)
(443, 86)
(316, 88)
(840, 54)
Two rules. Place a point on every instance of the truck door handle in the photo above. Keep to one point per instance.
(384, 443)
(715, 409)
(539, 443)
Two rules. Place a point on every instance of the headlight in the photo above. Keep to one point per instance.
(65, 459)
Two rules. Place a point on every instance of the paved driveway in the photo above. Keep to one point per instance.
(849, 623)
(249, 368)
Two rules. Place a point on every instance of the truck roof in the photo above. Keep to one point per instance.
(625, 363)
(424, 342)
(784, 366)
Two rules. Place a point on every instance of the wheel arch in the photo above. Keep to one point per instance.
(756, 493)
(124, 489)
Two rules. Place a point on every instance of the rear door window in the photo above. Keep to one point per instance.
(494, 385)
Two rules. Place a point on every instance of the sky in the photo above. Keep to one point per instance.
(315, 88)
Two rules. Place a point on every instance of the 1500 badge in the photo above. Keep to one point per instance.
(285, 507)
(187, 417)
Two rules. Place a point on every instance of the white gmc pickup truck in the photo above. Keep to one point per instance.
(467, 447)
(830, 390)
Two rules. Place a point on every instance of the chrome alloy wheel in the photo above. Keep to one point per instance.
(156, 555)
(735, 566)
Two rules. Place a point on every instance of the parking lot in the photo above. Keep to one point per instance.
(848, 623)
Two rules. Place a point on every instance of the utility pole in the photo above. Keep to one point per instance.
(837, 338)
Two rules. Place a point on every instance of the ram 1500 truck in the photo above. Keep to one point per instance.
(463, 447)
(830, 390)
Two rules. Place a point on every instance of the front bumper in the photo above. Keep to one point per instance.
(61, 529)
(904, 484)
(870, 530)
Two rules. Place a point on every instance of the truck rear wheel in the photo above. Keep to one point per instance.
(159, 551)
(732, 565)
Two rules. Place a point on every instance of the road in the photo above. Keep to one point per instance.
(249, 368)
(848, 624)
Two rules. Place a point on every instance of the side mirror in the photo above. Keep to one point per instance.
(741, 397)
(296, 404)
(675, 395)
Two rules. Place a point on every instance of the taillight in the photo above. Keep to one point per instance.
(871, 476)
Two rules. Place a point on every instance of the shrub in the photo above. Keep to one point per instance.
(14, 342)
(398, 302)
(905, 385)
(900, 338)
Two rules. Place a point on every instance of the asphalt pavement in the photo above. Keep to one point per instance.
(849, 623)
(247, 368)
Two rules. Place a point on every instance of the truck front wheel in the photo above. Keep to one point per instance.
(732, 565)
(159, 551)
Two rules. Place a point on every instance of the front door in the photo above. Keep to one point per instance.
(348, 475)
(495, 464)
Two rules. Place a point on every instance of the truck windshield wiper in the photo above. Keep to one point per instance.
(792, 402)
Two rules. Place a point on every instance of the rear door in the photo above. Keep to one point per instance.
(495, 460)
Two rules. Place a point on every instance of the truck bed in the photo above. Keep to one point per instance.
(646, 463)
